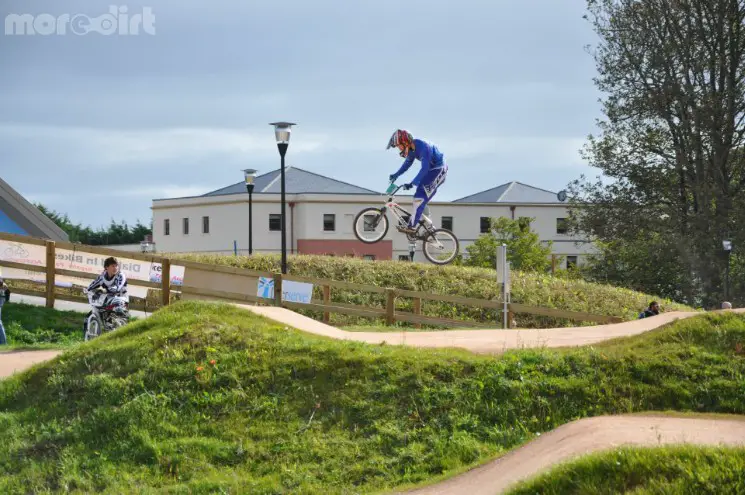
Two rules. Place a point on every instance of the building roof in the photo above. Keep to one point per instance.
(512, 193)
(18, 216)
(297, 181)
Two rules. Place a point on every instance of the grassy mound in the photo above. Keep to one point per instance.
(32, 326)
(203, 397)
(527, 288)
(645, 471)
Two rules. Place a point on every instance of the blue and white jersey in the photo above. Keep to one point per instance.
(116, 285)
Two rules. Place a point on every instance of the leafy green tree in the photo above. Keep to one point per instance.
(116, 233)
(670, 147)
(524, 249)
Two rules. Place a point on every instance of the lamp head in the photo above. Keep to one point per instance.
(249, 174)
(282, 131)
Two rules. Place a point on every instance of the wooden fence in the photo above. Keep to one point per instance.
(246, 279)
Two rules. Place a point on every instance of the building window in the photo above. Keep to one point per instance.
(571, 262)
(167, 226)
(329, 222)
(275, 222)
(370, 257)
(447, 223)
(485, 224)
(368, 222)
(403, 257)
(205, 225)
(561, 226)
(185, 225)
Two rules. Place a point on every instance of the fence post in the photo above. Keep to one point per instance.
(390, 306)
(326, 301)
(165, 282)
(277, 289)
(51, 266)
(418, 310)
(553, 264)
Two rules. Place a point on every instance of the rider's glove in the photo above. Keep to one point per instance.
(408, 186)
(392, 177)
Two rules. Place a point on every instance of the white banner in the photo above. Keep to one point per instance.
(16, 252)
(79, 260)
(299, 292)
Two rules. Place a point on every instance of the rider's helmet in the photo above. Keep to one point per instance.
(403, 140)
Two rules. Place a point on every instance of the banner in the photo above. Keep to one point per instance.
(30, 254)
(299, 292)
(79, 260)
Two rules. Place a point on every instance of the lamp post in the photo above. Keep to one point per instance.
(727, 246)
(282, 133)
(250, 175)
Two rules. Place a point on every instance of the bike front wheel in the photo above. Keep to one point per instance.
(93, 327)
(371, 225)
(440, 246)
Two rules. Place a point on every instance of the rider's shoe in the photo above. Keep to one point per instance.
(406, 230)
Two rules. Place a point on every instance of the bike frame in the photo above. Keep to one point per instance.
(399, 211)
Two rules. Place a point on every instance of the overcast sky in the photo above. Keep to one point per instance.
(98, 125)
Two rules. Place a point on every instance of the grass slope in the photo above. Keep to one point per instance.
(645, 471)
(29, 326)
(527, 288)
(200, 398)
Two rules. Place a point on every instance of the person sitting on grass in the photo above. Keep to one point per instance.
(652, 310)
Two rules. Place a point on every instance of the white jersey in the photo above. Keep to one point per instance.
(116, 285)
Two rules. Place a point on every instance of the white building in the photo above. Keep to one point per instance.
(320, 214)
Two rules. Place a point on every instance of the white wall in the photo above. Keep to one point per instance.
(228, 219)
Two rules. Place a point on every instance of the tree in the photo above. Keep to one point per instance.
(524, 249)
(116, 233)
(671, 144)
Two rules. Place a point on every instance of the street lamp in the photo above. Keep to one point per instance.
(727, 246)
(282, 133)
(250, 175)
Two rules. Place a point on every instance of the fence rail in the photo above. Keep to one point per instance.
(325, 305)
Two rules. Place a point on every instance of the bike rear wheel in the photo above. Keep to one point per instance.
(371, 225)
(440, 246)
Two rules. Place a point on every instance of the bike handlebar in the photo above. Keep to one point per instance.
(393, 189)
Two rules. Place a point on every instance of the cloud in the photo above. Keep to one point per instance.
(113, 147)
(503, 87)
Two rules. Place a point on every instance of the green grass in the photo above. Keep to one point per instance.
(535, 289)
(38, 327)
(283, 411)
(687, 469)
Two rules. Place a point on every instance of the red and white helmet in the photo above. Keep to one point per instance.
(403, 140)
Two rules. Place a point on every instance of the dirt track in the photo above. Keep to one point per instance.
(15, 361)
(479, 341)
(584, 436)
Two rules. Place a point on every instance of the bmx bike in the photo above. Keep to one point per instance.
(440, 246)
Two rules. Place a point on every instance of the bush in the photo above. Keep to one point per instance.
(534, 289)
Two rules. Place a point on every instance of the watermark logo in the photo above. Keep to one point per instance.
(118, 21)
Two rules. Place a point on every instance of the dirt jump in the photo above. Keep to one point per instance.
(562, 444)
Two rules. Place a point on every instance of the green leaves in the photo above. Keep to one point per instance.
(525, 251)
